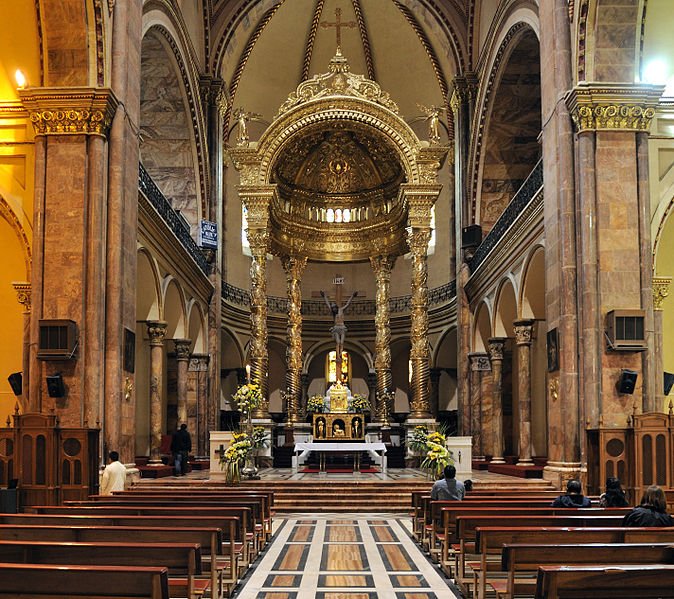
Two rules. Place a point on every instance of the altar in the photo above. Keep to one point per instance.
(376, 450)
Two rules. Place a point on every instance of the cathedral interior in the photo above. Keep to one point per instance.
(489, 182)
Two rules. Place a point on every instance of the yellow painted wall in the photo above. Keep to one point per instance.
(664, 267)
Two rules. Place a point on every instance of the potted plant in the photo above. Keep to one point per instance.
(316, 403)
(359, 403)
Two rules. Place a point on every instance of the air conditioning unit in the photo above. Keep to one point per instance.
(625, 330)
(58, 340)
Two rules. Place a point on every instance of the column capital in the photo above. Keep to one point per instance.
(70, 111)
(258, 239)
(382, 265)
(524, 331)
(156, 330)
(23, 294)
(182, 349)
(613, 106)
(660, 291)
(479, 361)
(496, 347)
(417, 240)
(294, 266)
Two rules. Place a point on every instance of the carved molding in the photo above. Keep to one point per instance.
(660, 291)
(615, 107)
(23, 294)
(75, 111)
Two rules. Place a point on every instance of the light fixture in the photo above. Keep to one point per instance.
(20, 79)
(656, 71)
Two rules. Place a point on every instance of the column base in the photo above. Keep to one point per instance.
(497, 460)
(525, 463)
(420, 416)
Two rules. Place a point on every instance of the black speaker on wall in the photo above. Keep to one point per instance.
(669, 382)
(471, 236)
(16, 383)
(55, 386)
(627, 381)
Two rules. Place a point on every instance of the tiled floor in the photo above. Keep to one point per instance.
(344, 556)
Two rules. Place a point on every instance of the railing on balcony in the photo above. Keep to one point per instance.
(278, 305)
(173, 219)
(525, 194)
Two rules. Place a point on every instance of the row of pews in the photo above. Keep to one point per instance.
(513, 544)
(164, 543)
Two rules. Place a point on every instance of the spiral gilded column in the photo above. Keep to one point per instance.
(294, 267)
(417, 240)
(382, 267)
(258, 240)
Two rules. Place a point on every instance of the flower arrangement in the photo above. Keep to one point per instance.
(234, 455)
(359, 403)
(259, 437)
(433, 447)
(418, 441)
(247, 397)
(316, 404)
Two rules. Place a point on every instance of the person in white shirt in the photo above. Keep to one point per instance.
(114, 475)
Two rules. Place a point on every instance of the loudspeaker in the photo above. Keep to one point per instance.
(16, 383)
(471, 236)
(627, 381)
(669, 381)
(55, 386)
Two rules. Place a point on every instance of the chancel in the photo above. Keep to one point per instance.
(347, 243)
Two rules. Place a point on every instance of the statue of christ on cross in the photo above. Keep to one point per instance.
(338, 329)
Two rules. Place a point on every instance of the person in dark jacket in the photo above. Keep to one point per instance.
(614, 496)
(574, 496)
(651, 512)
(181, 445)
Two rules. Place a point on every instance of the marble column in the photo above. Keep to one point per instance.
(660, 292)
(417, 240)
(206, 410)
(478, 362)
(182, 347)
(382, 267)
(259, 357)
(156, 330)
(23, 294)
(294, 267)
(304, 378)
(496, 347)
(523, 338)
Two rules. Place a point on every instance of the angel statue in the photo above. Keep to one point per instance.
(433, 117)
(242, 117)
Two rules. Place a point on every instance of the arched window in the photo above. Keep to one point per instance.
(331, 367)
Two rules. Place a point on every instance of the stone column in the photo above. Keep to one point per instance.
(420, 352)
(523, 338)
(304, 378)
(259, 358)
(382, 266)
(496, 347)
(156, 330)
(294, 267)
(479, 361)
(23, 293)
(660, 292)
(206, 410)
(182, 359)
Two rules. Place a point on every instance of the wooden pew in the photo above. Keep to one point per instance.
(209, 539)
(49, 582)
(524, 560)
(490, 542)
(615, 581)
(183, 560)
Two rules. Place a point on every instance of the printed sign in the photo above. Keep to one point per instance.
(208, 235)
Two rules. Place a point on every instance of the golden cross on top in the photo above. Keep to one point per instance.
(337, 24)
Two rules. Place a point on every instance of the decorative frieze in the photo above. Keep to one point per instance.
(75, 111)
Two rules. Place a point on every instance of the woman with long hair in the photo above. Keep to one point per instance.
(651, 512)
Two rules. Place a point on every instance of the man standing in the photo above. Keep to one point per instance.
(448, 487)
(114, 475)
(181, 445)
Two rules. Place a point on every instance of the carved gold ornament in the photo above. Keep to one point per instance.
(660, 291)
(553, 388)
(23, 294)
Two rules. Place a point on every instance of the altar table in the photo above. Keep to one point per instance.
(376, 450)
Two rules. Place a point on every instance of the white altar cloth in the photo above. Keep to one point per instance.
(376, 450)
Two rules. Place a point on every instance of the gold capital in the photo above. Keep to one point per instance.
(660, 291)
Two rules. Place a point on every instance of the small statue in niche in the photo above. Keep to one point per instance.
(356, 428)
(337, 431)
(320, 429)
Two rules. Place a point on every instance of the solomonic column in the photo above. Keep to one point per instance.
(259, 358)
(496, 346)
(417, 240)
(382, 266)
(156, 330)
(294, 267)
(182, 358)
(523, 337)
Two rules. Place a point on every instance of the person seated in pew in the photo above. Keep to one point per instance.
(114, 475)
(652, 511)
(468, 485)
(614, 496)
(448, 487)
(574, 496)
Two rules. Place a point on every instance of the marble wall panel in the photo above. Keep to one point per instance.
(65, 32)
(615, 40)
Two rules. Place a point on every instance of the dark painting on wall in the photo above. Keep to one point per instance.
(129, 351)
(553, 350)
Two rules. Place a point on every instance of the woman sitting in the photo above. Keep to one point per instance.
(614, 496)
(651, 512)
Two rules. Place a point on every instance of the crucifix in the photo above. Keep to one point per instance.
(338, 329)
(337, 24)
(221, 452)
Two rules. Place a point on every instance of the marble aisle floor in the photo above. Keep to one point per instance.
(344, 556)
